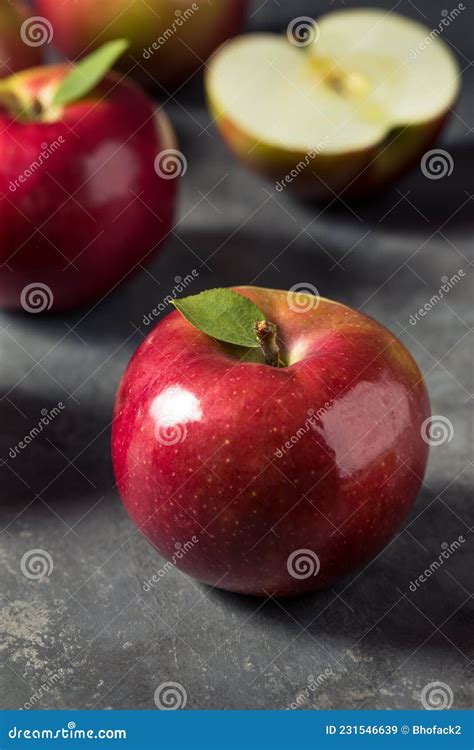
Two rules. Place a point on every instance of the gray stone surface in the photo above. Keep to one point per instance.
(88, 630)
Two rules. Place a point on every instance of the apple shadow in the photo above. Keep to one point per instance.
(55, 450)
(216, 259)
(417, 202)
(336, 253)
(386, 606)
(203, 257)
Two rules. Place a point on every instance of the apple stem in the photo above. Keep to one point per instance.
(28, 109)
(266, 334)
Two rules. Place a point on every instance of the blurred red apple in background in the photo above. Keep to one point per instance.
(268, 479)
(83, 203)
(19, 48)
(170, 39)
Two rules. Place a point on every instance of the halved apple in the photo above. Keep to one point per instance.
(348, 112)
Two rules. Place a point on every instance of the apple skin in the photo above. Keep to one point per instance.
(15, 55)
(95, 208)
(353, 174)
(82, 25)
(217, 475)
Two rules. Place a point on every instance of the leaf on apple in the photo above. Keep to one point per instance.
(223, 314)
(87, 73)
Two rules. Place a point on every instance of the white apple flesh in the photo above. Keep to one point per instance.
(348, 112)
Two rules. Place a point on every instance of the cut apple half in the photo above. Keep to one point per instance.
(348, 111)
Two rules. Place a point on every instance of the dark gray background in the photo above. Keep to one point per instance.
(110, 644)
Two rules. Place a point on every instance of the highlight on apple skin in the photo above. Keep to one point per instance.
(271, 480)
(346, 105)
(17, 49)
(170, 39)
(84, 204)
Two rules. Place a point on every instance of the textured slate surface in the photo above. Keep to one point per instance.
(88, 635)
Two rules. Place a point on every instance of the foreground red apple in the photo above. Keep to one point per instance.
(268, 479)
(83, 204)
(17, 50)
(344, 105)
(170, 38)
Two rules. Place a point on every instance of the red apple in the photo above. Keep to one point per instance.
(170, 38)
(271, 480)
(83, 204)
(18, 49)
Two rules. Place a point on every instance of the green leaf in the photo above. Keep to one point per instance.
(87, 73)
(223, 314)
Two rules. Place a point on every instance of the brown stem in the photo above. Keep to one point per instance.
(266, 334)
(25, 108)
